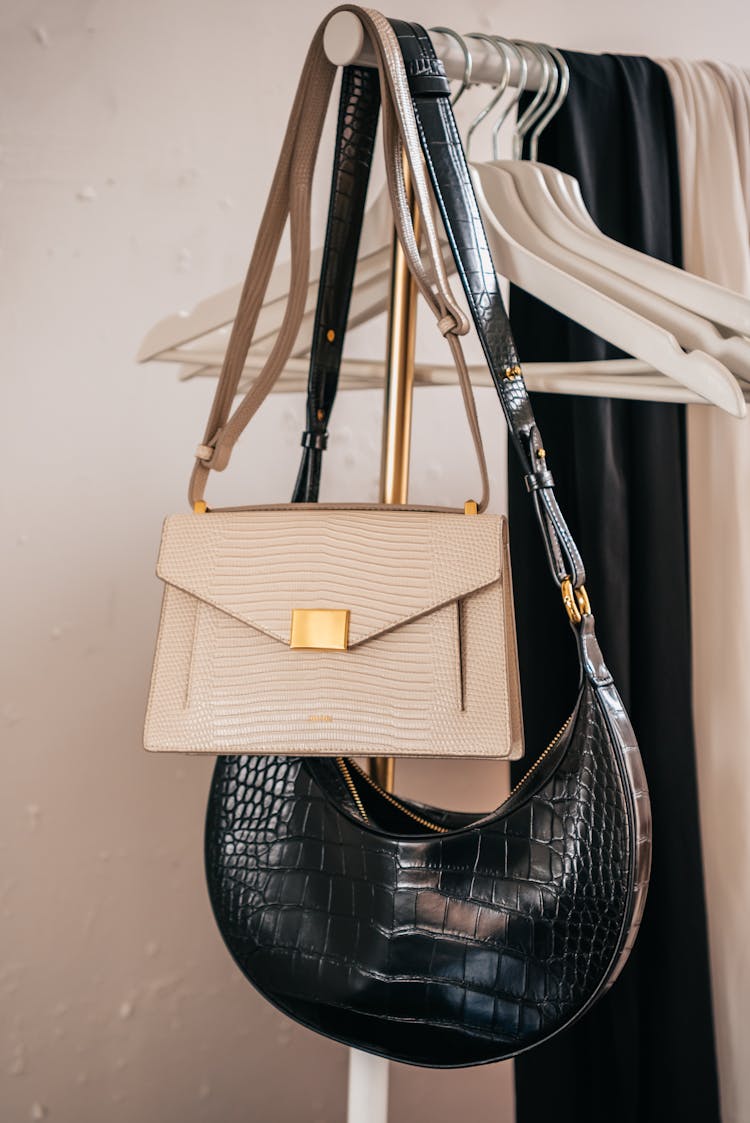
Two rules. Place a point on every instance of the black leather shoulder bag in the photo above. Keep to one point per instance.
(427, 936)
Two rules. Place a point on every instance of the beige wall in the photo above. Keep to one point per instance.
(136, 147)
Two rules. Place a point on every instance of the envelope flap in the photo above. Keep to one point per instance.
(385, 567)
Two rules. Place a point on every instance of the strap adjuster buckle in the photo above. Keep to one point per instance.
(311, 439)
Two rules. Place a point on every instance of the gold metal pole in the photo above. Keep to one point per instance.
(399, 385)
(402, 324)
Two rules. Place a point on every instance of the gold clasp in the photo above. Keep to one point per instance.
(576, 601)
(319, 629)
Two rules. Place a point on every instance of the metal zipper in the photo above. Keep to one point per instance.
(345, 765)
(352, 787)
(385, 795)
(540, 758)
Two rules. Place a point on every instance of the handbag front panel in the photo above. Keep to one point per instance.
(430, 667)
(437, 685)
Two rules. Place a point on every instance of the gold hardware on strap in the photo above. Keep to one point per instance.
(319, 629)
(200, 506)
(582, 597)
(512, 372)
(576, 601)
(470, 507)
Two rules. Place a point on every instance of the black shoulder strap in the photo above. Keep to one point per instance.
(452, 186)
(451, 183)
(359, 106)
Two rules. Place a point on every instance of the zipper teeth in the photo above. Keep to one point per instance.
(344, 765)
(352, 787)
(397, 803)
(540, 758)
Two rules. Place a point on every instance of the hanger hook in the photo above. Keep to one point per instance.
(563, 73)
(546, 109)
(468, 61)
(501, 88)
(534, 110)
(523, 71)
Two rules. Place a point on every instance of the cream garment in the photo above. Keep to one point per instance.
(712, 110)
(735, 82)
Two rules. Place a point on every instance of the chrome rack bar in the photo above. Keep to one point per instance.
(346, 44)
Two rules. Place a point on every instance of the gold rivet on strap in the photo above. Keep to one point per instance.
(320, 415)
(512, 372)
(200, 506)
(470, 507)
(541, 453)
(330, 335)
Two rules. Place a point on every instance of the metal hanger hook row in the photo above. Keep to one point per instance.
(523, 71)
(468, 61)
(501, 87)
(538, 103)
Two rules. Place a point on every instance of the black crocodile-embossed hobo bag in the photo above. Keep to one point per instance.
(432, 937)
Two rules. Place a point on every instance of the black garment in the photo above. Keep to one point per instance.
(646, 1051)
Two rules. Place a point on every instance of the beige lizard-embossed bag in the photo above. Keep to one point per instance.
(314, 629)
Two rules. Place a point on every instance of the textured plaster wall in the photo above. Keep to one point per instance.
(136, 146)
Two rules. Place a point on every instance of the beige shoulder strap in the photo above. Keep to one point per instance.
(289, 197)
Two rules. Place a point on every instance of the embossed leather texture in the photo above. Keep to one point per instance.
(427, 936)
(431, 664)
(451, 182)
(442, 949)
(359, 105)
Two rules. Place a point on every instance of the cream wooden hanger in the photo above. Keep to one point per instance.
(690, 328)
(718, 304)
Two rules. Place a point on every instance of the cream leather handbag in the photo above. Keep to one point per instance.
(343, 628)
